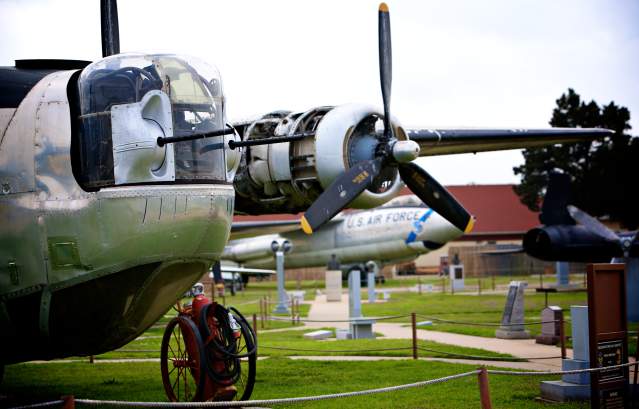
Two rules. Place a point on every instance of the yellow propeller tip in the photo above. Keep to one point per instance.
(470, 225)
(305, 226)
(383, 8)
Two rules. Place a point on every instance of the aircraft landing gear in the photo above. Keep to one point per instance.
(208, 353)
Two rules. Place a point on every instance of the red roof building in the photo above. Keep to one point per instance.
(500, 215)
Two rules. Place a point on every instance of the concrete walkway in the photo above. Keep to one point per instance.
(321, 310)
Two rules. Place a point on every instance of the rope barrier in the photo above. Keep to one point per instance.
(253, 403)
(40, 405)
(485, 324)
(574, 371)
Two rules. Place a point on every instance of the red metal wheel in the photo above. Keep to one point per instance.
(182, 360)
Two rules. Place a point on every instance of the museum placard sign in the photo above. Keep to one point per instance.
(608, 335)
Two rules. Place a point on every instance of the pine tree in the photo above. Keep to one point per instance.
(604, 173)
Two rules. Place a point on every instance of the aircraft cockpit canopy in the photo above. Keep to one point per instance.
(126, 101)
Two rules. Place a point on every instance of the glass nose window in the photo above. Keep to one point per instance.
(194, 90)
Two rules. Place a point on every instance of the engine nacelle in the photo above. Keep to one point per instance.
(244, 250)
(571, 243)
(289, 176)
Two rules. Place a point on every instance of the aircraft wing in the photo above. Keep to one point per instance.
(252, 272)
(501, 252)
(451, 141)
(242, 229)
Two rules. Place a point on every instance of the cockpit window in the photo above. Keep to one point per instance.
(196, 104)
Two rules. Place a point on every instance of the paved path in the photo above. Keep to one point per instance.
(321, 310)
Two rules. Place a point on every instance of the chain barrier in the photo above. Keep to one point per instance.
(486, 358)
(383, 318)
(485, 324)
(335, 350)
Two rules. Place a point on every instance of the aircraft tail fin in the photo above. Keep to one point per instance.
(558, 196)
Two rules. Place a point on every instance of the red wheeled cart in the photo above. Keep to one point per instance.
(208, 353)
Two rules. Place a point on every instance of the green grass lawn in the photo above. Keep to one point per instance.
(278, 378)
(363, 347)
(469, 308)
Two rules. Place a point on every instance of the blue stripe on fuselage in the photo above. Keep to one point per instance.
(412, 236)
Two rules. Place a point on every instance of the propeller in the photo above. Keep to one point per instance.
(110, 28)
(389, 153)
(598, 228)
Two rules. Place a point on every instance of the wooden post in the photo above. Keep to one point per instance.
(292, 311)
(69, 402)
(636, 362)
(262, 318)
(255, 324)
(91, 359)
(414, 322)
(484, 389)
(562, 334)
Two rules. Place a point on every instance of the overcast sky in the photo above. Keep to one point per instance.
(457, 63)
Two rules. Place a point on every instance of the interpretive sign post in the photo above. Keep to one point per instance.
(608, 334)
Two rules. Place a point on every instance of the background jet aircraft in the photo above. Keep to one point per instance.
(119, 179)
(398, 231)
(570, 234)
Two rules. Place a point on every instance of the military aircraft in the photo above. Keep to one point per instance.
(398, 231)
(119, 179)
(570, 234)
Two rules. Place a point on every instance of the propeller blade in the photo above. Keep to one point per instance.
(340, 193)
(385, 65)
(591, 223)
(436, 196)
(110, 28)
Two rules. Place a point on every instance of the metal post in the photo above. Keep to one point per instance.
(541, 278)
(562, 335)
(443, 285)
(419, 286)
(452, 286)
(414, 323)
(493, 277)
(479, 285)
(69, 402)
(484, 389)
(255, 324)
(262, 315)
(282, 299)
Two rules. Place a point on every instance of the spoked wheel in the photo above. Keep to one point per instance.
(182, 360)
(229, 361)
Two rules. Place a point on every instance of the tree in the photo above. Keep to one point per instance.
(604, 173)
